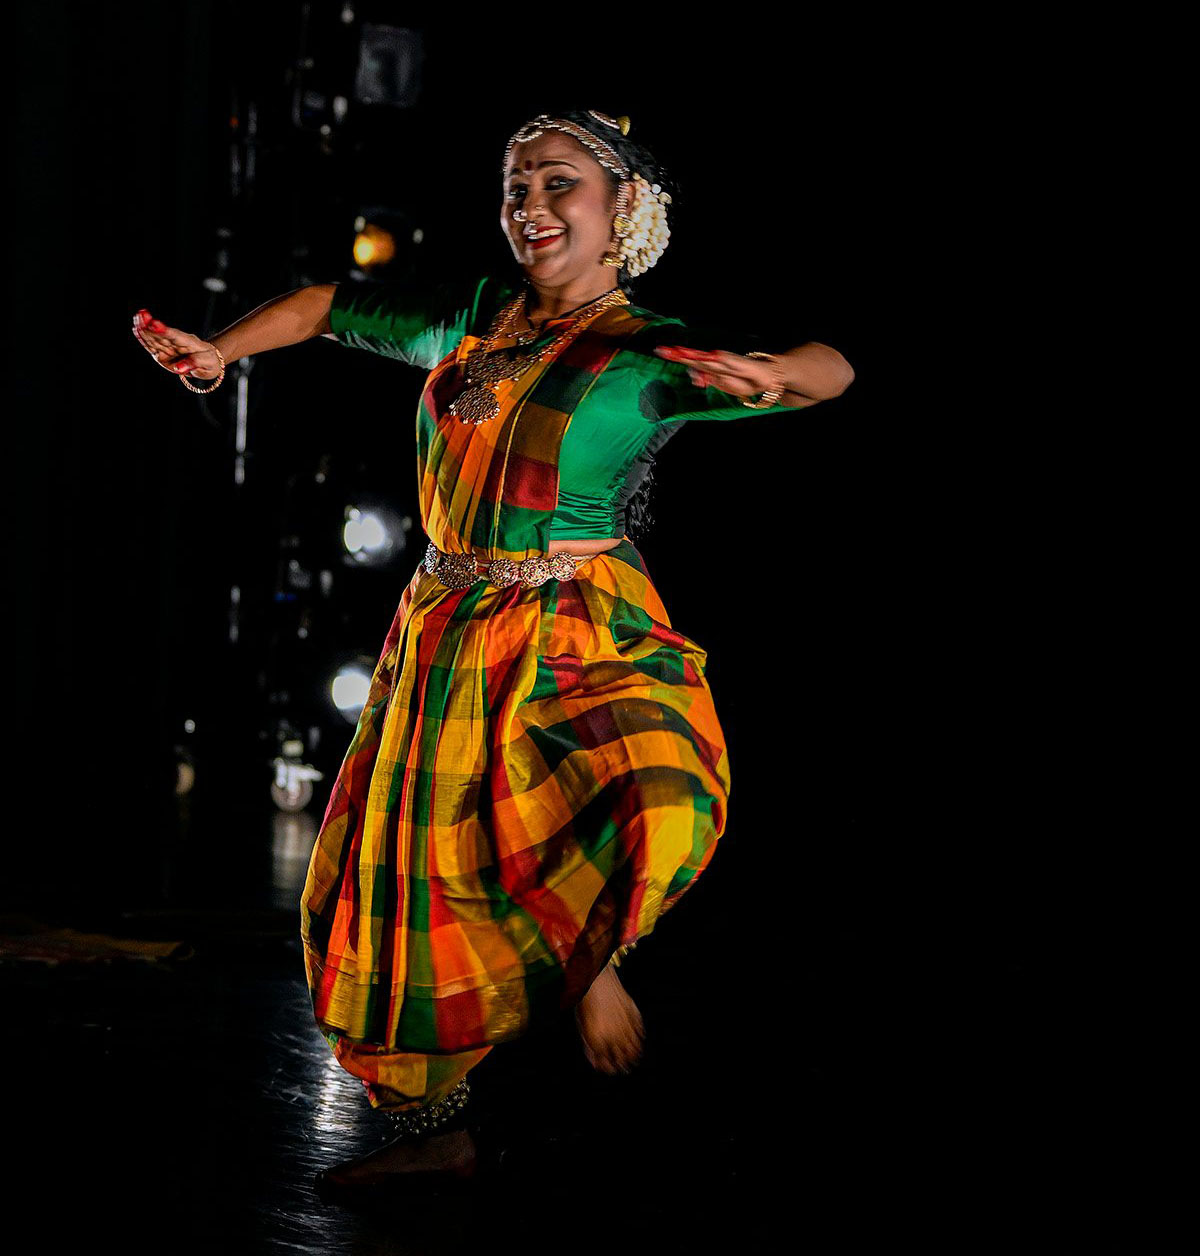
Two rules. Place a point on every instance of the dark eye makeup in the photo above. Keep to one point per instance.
(558, 178)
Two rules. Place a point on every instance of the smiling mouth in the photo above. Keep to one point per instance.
(544, 241)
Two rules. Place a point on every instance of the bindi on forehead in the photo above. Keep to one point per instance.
(527, 165)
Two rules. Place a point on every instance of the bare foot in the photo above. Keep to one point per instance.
(451, 1153)
(610, 1025)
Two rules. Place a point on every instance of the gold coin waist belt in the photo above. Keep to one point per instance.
(461, 571)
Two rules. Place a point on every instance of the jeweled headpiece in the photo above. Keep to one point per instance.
(640, 230)
(604, 153)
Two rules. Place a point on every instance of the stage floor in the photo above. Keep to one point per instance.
(181, 1099)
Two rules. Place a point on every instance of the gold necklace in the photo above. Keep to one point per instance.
(487, 368)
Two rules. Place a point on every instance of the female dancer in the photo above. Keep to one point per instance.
(538, 772)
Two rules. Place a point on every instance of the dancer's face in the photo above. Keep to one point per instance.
(560, 186)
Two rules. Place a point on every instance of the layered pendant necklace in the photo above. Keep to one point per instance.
(488, 367)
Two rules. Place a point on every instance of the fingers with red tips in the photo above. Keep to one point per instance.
(683, 353)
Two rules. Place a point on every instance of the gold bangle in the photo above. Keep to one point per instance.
(183, 379)
(771, 395)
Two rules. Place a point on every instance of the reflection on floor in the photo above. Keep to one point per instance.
(177, 1096)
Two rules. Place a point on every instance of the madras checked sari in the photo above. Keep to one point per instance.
(537, 774)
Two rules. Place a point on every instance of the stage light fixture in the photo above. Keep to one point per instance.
(292, 788)
(390, 61)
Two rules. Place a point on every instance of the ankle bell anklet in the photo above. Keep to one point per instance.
(434, 1116)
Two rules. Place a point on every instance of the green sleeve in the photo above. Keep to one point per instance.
(667, 391)
(417, 324)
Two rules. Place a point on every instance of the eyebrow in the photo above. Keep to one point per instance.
(553, 161)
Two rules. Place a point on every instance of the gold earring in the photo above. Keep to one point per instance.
(621, 228)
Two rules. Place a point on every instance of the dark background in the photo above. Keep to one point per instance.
(804, 214)
(873, 930)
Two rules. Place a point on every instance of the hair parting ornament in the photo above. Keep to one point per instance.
(640, 230)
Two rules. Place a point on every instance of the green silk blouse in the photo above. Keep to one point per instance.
(638, 402)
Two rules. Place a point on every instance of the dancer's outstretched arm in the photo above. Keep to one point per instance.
(284, 320)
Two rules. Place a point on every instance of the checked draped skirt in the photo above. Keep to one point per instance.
(537, 774)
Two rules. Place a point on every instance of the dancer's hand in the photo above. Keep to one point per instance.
(177, 351)
(730, 372)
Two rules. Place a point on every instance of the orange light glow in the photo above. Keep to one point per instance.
(374, 247)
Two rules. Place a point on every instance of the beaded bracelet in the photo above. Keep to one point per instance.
(183, 379)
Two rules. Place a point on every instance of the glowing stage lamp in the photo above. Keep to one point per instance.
(351, 684)
(373, 535)
(365, 532)
(373, 246)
